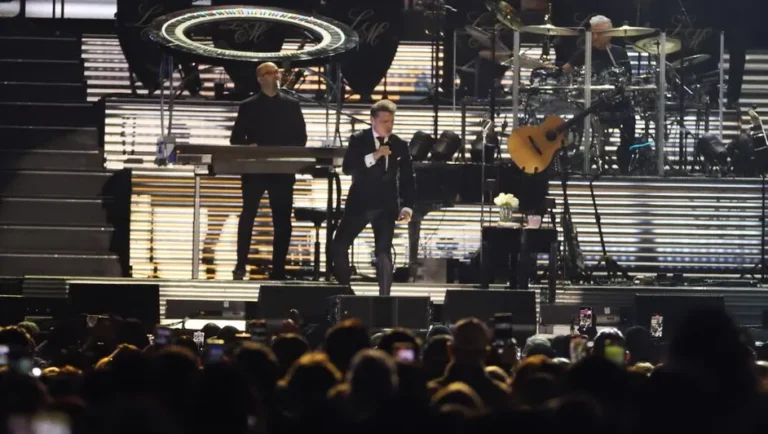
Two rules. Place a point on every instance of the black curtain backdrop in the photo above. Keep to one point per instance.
(379, 24)
(132, 19)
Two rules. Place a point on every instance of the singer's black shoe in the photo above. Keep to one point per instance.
(277, 275)
(238, 273)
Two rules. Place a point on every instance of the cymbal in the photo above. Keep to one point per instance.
(525, 62)
(505, 13)
(626, 31)
(485, 39)
(691, 60)
(550, 30)
(652, 45)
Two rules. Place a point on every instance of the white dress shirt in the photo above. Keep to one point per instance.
(370, 160)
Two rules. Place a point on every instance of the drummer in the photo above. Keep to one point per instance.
(604, 57)
(604, 54)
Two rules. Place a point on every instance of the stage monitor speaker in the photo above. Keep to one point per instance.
(483, 304)
(276, 301)
(128, 300)
(204, 309)
(12, 310)
(382, 312)
(673, 308)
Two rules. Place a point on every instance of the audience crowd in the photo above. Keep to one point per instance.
(709, 377)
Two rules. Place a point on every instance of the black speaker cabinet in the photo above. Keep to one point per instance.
(380, 312)
(483, 304)
(276, 301)
(129, 300)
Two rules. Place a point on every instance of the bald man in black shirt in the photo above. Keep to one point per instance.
(269, 118)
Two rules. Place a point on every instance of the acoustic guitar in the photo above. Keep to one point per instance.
(532, 148)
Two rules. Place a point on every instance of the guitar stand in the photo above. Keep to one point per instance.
(612, 268)
(570, 264)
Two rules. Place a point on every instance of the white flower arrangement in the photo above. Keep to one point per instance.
(506, 200)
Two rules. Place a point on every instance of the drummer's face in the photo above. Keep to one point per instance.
(599, 41)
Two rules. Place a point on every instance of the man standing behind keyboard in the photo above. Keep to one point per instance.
(382, 193)
(270, 118)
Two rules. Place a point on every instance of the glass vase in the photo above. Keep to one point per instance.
(505, 214)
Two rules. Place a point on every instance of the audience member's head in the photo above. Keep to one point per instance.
(31, 328)
(227, 334)
(436, 356)
(394, 337)
(708, 341)
(372, 379)
(308, 382)
(438, 330)
(188, 343)
(260, 367)
(288, 348)
(130, 331)
(610, 343)
(471, 342)
(458, 393)
(498, 374)
(639, 345)
(17, 337)
(344, 340)
(210, 330)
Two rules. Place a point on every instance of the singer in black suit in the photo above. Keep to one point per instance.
(382, 193)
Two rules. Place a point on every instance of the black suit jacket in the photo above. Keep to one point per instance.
(374, 188)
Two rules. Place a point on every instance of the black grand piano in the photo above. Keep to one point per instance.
(444, 185)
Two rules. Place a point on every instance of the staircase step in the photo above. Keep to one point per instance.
(11, 91)
(87, 240)
(45, 71)
(59, 264)
(36, 159)
(49, 114)
(49, 138)
(40, 211)
(41, 183)
(53, 48)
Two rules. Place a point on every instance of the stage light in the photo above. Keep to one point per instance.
(446, 146)
(712, 150)
(421, 145)
(491, 146)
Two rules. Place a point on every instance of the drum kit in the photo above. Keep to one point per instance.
(553, 91)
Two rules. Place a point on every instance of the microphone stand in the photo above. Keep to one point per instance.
(612, 267)
(339, 112)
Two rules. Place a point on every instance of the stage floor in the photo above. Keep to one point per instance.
(744, 299)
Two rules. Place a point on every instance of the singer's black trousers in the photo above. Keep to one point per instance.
(349, 228)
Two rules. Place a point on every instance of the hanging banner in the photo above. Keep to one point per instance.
(379, 24)
(132, 19)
